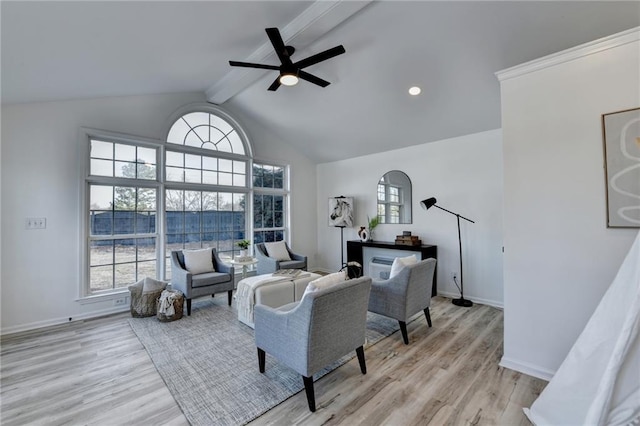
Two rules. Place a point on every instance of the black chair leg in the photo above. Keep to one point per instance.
(308, 387)
(188, 307)
(230, 296)
(427, 315)
(363, 364)
(261, 357)
(403, 330)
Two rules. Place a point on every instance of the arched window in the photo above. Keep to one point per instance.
(207, 166)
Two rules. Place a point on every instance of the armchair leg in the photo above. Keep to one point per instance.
(308, 387)
(403, 330)
(188, 307)
(363, 364)
(230, 296)
(261, 359)
(427, 315)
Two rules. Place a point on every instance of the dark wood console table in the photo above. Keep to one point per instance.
(355, 249)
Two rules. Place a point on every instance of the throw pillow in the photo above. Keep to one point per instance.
(325, 282)
(401, 262)
(198, 261)
(277, 250)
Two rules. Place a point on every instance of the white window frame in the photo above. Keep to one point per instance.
(285, 192)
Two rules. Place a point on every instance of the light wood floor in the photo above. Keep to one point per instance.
(97, 372)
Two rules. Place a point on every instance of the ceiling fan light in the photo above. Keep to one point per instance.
(289, 79)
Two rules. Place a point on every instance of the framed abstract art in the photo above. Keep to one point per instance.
(621, 138)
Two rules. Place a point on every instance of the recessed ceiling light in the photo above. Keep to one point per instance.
(415, 90)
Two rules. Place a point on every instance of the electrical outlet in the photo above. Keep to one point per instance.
(120, 302)
(35, 223)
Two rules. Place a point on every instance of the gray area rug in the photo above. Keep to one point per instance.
(209, 363)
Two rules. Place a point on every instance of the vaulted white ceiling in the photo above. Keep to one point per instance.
(73, 50)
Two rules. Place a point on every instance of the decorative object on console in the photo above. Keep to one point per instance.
(373, 224)
(363, 233)
(341, 216)
(407, 239)
(621, 139)
(431, 202)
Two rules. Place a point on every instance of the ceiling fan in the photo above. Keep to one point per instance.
(290, 71)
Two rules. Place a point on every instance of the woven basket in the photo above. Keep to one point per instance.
(177, 307)
(145, 304)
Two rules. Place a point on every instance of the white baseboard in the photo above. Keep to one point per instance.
(57, 321)
(526, 368)
(478, 300)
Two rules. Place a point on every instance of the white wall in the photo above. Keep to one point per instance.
(40, 178)
(559, 255)
(464, 174)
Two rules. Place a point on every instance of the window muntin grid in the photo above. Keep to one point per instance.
(207, 131)
(205, 169)
(121, 160)
(269, 202)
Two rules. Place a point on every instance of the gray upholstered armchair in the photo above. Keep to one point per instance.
(268, 265)
(319, 329)
(203, 284)
(405, 294)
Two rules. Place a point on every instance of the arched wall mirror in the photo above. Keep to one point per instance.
(394, 198)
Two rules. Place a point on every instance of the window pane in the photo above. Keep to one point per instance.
(192, 201)
(225, 165)
(236, 144)
(225, 178)
(146, 199)
(101, 278)
(101, 197)
(220, 124)
(125, 198)
(209, 163)
(209, 201)
(146, 155)
(225, 201)
(125, 274)
(210, 178)
(101, 222)
(101, 168)
(125, 152)
(101, 149)
(175, 159)
(257, 176)
(239, 180)
(146, 171)
(192, 176)
(192, 139)
(178, 131)
(174, 199)
(125, 250)
(193, 161)
(239, 167)
(146, 269)
(196, 118)
(101, 253)
(146, 248)
(175, 174)
(126, 170)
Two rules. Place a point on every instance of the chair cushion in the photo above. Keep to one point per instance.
(325, 282)
(198, 261)
(293, 264)
(401, 262)
(277, 250)
(209, 278)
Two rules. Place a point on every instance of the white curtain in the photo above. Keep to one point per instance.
(598, 383)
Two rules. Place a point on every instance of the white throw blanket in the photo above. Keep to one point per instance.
(599, 381)
(166, 303)
(246, 292)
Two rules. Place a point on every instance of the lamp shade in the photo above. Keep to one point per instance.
(429, 202)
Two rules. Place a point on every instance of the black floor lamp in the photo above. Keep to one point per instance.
(431, 202)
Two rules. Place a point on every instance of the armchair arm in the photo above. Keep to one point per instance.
(389, 297)
(180, 277)
(266, 264)
(220, 266)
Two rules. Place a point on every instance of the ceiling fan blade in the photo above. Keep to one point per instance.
(274, 86)
(278, 45)
(313, 79)
(252, 65)
(319, 57)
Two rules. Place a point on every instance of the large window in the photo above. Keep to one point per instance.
(122, 194)
(269, 202)
(145, 198)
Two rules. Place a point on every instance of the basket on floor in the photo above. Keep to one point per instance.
(176, 299)
(144, 297)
